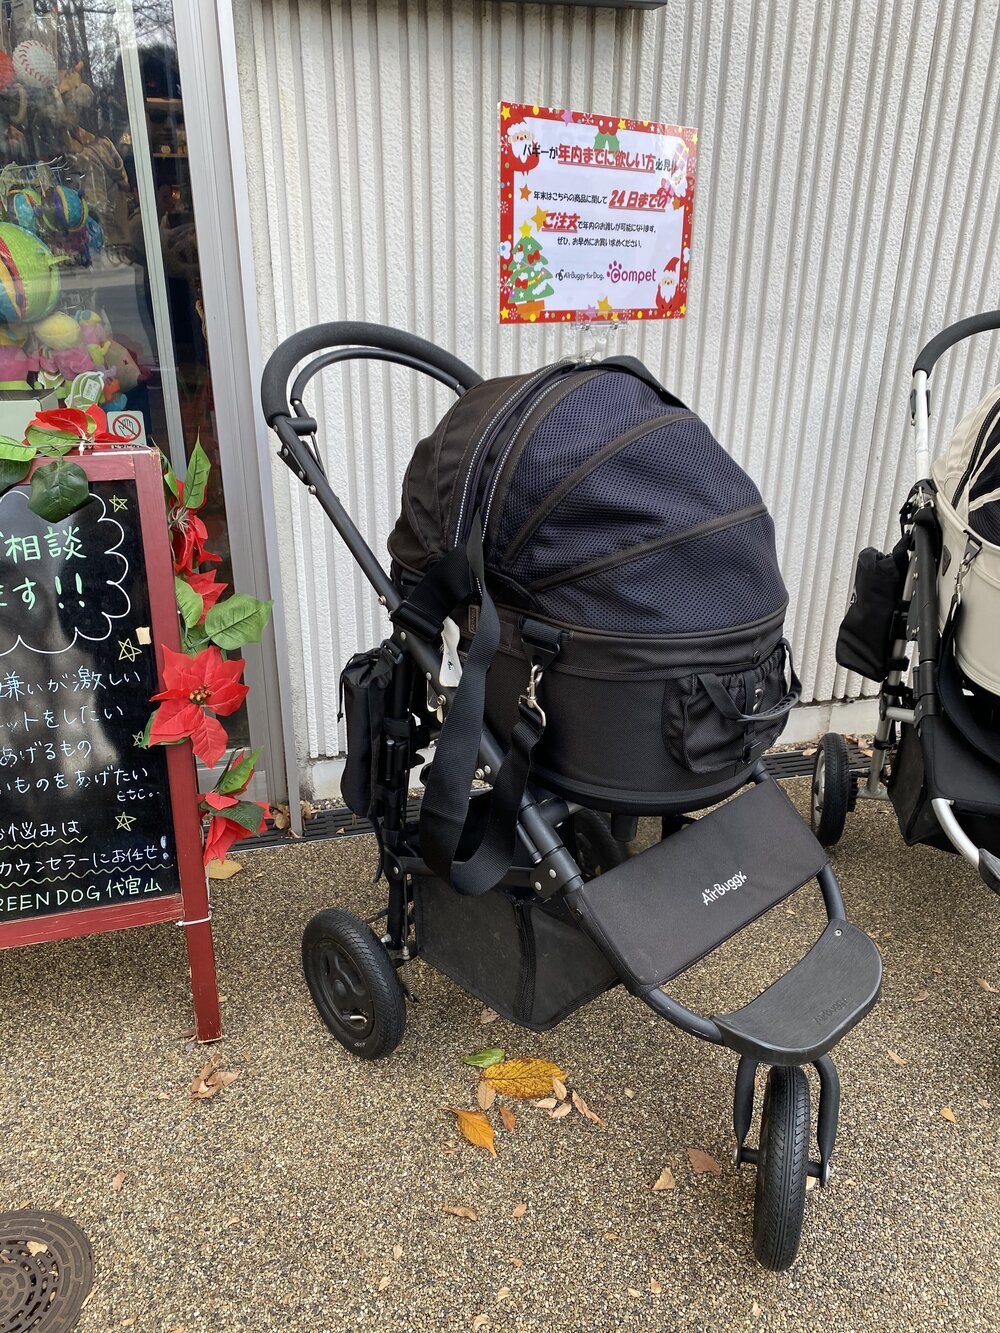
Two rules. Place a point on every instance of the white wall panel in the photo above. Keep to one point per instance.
(846, 208)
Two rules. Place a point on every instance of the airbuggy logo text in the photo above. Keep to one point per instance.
(717, 890)
(618, 274)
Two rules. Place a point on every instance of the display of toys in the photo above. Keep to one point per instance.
(35, 66)
(29, 276)
(66, 212)
(24, 209)
(15, 367)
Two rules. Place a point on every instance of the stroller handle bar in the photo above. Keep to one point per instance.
(360, 340)
(954, 333)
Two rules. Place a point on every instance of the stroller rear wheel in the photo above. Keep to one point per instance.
(832, 789)
(782, 1168)
(353, 984)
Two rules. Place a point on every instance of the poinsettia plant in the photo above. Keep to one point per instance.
(61, 487)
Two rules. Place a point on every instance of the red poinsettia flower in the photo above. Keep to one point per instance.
(222, 831)
(188, 536)
(88, 424)
(207, 588)
(197, 687)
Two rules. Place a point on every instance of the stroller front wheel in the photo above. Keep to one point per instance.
(832, 785)
(353, 984)
(782, 1168)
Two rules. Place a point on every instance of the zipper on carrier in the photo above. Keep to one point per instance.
(474, 473)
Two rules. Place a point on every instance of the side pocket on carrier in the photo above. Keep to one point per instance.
(864, 643)
(713, 722)
(363, 684)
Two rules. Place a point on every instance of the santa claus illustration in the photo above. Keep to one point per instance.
(523, 148)
(669, 279)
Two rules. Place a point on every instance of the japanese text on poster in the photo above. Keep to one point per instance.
(595, 216)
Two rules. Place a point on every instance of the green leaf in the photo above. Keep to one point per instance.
(52, 443)
(193, 640)
(169, 477)
(197, 477)
(483, 1059)
(12, 472)
(238, 620)
(189, 603)
(15, 452)
(247, 814)
(58, 489)
(236, 777)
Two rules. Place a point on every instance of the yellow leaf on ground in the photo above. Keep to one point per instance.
(946, 1113)
(485, 1095)
(480, 1321)
(474, 1126)
(990, 990)
(702, 1162)
(223, 869)
(36, 1247)
(523, 1078)
(654, 1286)
(518, 1263)
(509, 1119)
(895, 1058)
(397, 1252)
(665, 1180)
(383, 1282)
(459, 1210)
(504, 1294)
(585, 1110)
(519, 1210)
(559, 1087)
(562, 1109)
(629, 1093)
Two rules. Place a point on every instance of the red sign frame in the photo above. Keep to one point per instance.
(190, 907)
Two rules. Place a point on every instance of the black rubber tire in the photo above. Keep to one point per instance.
(779, 1200)
(832, 789)
(353, 984)
(594, 845)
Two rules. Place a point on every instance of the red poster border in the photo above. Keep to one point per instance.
(509, 314)
(191, 905)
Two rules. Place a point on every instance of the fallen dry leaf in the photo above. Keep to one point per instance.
(504, 1294)
(938, 971)
(921, 995)
(896, 1058)
(756, 1311)
(654, 1286)
(585, 1110)
(633, 1292)
(562, 1109)
(509, 1119)
(546, 1103)
(807, 754)
(665, 1180)
(211, 1080)
(812, 1183)
(223, 869)
(946, 1113)
(488, 1016)
(983, 1103)
(480, 1321)
(459, 1210)
(93, 1292)
(519, 1210)
(36, 1247)
(629, 1093)
(233, 1221)
(383, 1282)
(518, 1263)
(559, 1088)
(280, 818)
(702, 1162)
(990, 990)
(118, 1181)
(523, 1078)
(397, 1252)
(485, 1095)
(474, 1126)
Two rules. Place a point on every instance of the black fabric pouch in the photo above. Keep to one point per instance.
(363, 683)
(714, 721)
(864, 643)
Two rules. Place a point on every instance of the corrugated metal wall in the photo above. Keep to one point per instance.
(846, 208)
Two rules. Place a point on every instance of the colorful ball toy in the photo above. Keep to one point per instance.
(24, 208)
(29, 276)
(67, 211)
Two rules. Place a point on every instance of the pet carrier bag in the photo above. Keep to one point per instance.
(581, 523)
(967, 476)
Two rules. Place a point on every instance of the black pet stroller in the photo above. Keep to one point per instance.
(924, 621)
(587, 618)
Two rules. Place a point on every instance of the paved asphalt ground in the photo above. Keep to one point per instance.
(278, 1204)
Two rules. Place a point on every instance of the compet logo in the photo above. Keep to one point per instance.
(727, 886)
(618, 274)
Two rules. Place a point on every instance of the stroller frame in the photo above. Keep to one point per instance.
(794, 1022)
(910, 691)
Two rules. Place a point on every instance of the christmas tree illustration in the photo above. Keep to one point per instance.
(529, 277)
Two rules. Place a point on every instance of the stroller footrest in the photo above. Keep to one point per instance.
(806, 1012)
(660, 911)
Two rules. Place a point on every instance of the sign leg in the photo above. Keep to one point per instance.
(204, 986)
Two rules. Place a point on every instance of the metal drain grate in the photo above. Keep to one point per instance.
(46, 1272)
(339, 822)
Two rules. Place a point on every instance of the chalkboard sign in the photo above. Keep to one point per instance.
(96, 831)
